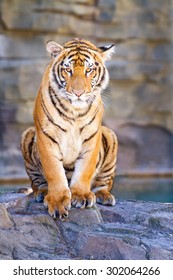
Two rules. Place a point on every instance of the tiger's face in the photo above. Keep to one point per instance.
(78, 69)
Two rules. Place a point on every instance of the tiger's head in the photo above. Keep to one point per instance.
(78, 69)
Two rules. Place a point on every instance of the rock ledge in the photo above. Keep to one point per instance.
(131, 230)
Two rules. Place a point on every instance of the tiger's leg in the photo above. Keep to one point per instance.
(84, 171)
(33, 165)
(106, 168)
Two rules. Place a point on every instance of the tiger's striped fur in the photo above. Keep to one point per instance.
(69, 156)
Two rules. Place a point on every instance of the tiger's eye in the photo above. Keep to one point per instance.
(68, 69)
(89, 70)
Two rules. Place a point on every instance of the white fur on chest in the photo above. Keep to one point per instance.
(71, 145)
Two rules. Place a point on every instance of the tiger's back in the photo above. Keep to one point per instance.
(69, 151)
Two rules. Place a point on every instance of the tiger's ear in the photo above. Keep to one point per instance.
(54, 48)
(107, 51)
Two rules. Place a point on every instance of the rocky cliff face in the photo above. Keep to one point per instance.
(131, 230)
(138, 100)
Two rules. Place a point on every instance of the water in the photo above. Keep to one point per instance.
(147, 189)
(5, 188)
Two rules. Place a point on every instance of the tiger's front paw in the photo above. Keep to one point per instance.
(80, 200)
(104, 197)
(58, 202)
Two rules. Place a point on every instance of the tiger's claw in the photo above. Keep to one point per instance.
(58, 204)
(83, 200)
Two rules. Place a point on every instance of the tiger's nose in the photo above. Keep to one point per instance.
(78, 93)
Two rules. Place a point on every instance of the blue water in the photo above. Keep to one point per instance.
(148, 189)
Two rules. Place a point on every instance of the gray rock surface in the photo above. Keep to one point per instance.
(131, 230)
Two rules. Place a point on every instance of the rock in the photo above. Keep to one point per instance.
(79, 27)
(106, 10)
(25, 190)
(89, 217)
(21, 83)
(24, 112)
(137, 151)
(139, 71)
(126, 231)
(105, 246)
(107, 4)
(32, 236)
(142, 5)
(5, 221)
(109, 32)
(157, 140)
(17, 46)
(12, 158)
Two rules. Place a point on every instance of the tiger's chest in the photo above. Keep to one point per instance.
(71, 145)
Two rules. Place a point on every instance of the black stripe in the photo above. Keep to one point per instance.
(60, 76)
(76, 46)
(88, 109)
(36, 173)
(114, 143)
(108, 164)
(47, 134)
(69, 169)
(76, 42)
(99, 160)
(104, 141)
(75, 53)
(99, 72)
(84, 114)
(59, 101)
(87, 48)
(84, 54)
(93, 118)
(42, 184)
(105, 176)
(70, 56)
(55, 76)
(38, 181)
(81, 156)
(94, 76)
(53, 96)
(89, 138)
(102, 78)
(84, 47)
(39, 165)
(70, 46)
(51, 93)
(29, 146)
(109, 169)
(105, 147)
(30, 167)
(48, 115)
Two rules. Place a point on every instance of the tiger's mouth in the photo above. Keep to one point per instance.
(79, 101)
(81, 98)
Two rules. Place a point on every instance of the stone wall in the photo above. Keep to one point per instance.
(139, 95)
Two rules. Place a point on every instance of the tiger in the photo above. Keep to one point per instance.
(69, 156)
